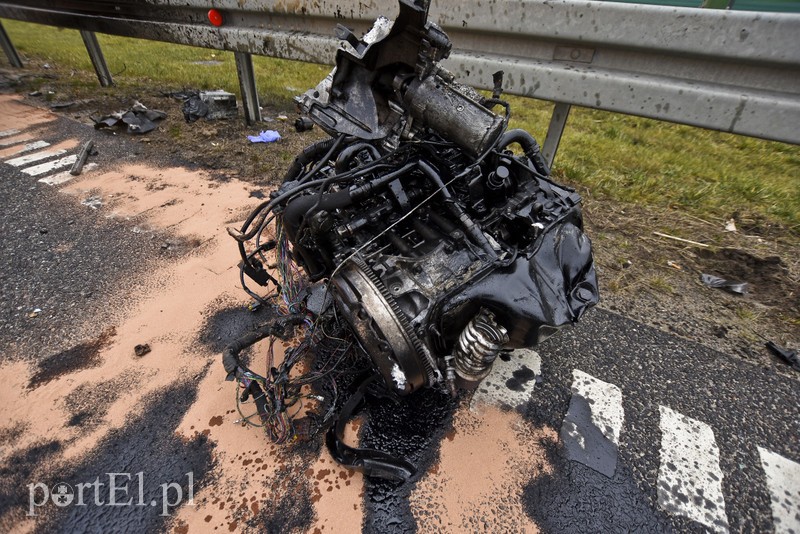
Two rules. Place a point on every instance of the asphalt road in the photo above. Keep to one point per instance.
(658, 434)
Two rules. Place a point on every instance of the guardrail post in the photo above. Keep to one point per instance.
(8, 48)
(247, 84)
(98, 60)
(557, 123)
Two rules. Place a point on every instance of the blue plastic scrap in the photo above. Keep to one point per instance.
(267, 136)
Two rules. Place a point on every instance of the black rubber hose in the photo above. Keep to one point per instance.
(529, 146)
(309, 154)
(469, 225)
(347, 154)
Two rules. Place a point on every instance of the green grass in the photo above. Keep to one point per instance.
(608, 156)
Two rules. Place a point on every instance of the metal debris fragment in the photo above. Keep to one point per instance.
(739, 288)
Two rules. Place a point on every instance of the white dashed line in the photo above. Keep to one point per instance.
(605, 402)
(510, 382)
(36, 145)
(8, 133)
(689, 477)
(30, 158)
(783, 480)
(12, 142)
(36, 170)
(63, 177)
(591, 428)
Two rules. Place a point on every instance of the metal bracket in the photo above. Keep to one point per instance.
(557, 123)
(247, 84)
(98, 60)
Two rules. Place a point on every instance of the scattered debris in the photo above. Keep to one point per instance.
(740, 288)
(62, 105)
(139, 119)
(282, 117)
(303, 124)
(626, 264)
(730, 226)
(788, 355)
(682, 240)
(77, 167)
(35, 93)
(221, 104)
(35, 313)
(141, 350)
(193, 107)
(674, 265)
(266, 136)
(93, 202)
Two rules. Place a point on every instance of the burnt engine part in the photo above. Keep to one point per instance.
(415, 229)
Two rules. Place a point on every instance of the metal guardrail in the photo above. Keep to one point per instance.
(736, 72)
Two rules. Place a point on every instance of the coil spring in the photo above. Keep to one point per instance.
(478, 346)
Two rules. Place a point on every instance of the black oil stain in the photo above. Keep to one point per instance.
(292, 510)
(82, 356)
(411, 428)
(224, 326)
(519, 378)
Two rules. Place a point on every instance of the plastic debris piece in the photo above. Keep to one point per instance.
(194, 108)
(221, 104)
(139, 120)
(141, 350)
(266, 136)
(35, 313)
(93, 202)
(740, 288)
(788, 355)
(674, 265)
(282, 117)
(730, 226)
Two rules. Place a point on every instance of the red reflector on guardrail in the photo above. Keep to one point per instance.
(215, 17)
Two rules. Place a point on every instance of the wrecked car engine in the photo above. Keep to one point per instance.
(415, 230)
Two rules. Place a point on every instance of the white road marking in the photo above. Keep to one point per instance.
(30, 158)
(605, 402)
(689, 477)
(509, 383)
(36, 145)
(36, 170)
(783, 479)
(12, 142)
(8, 133)
(63, 177)
(591, 428)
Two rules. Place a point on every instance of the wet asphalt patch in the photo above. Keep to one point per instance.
(411, 428)
(17, 471)
(147, 444)
(576, 498)
(88, 404)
